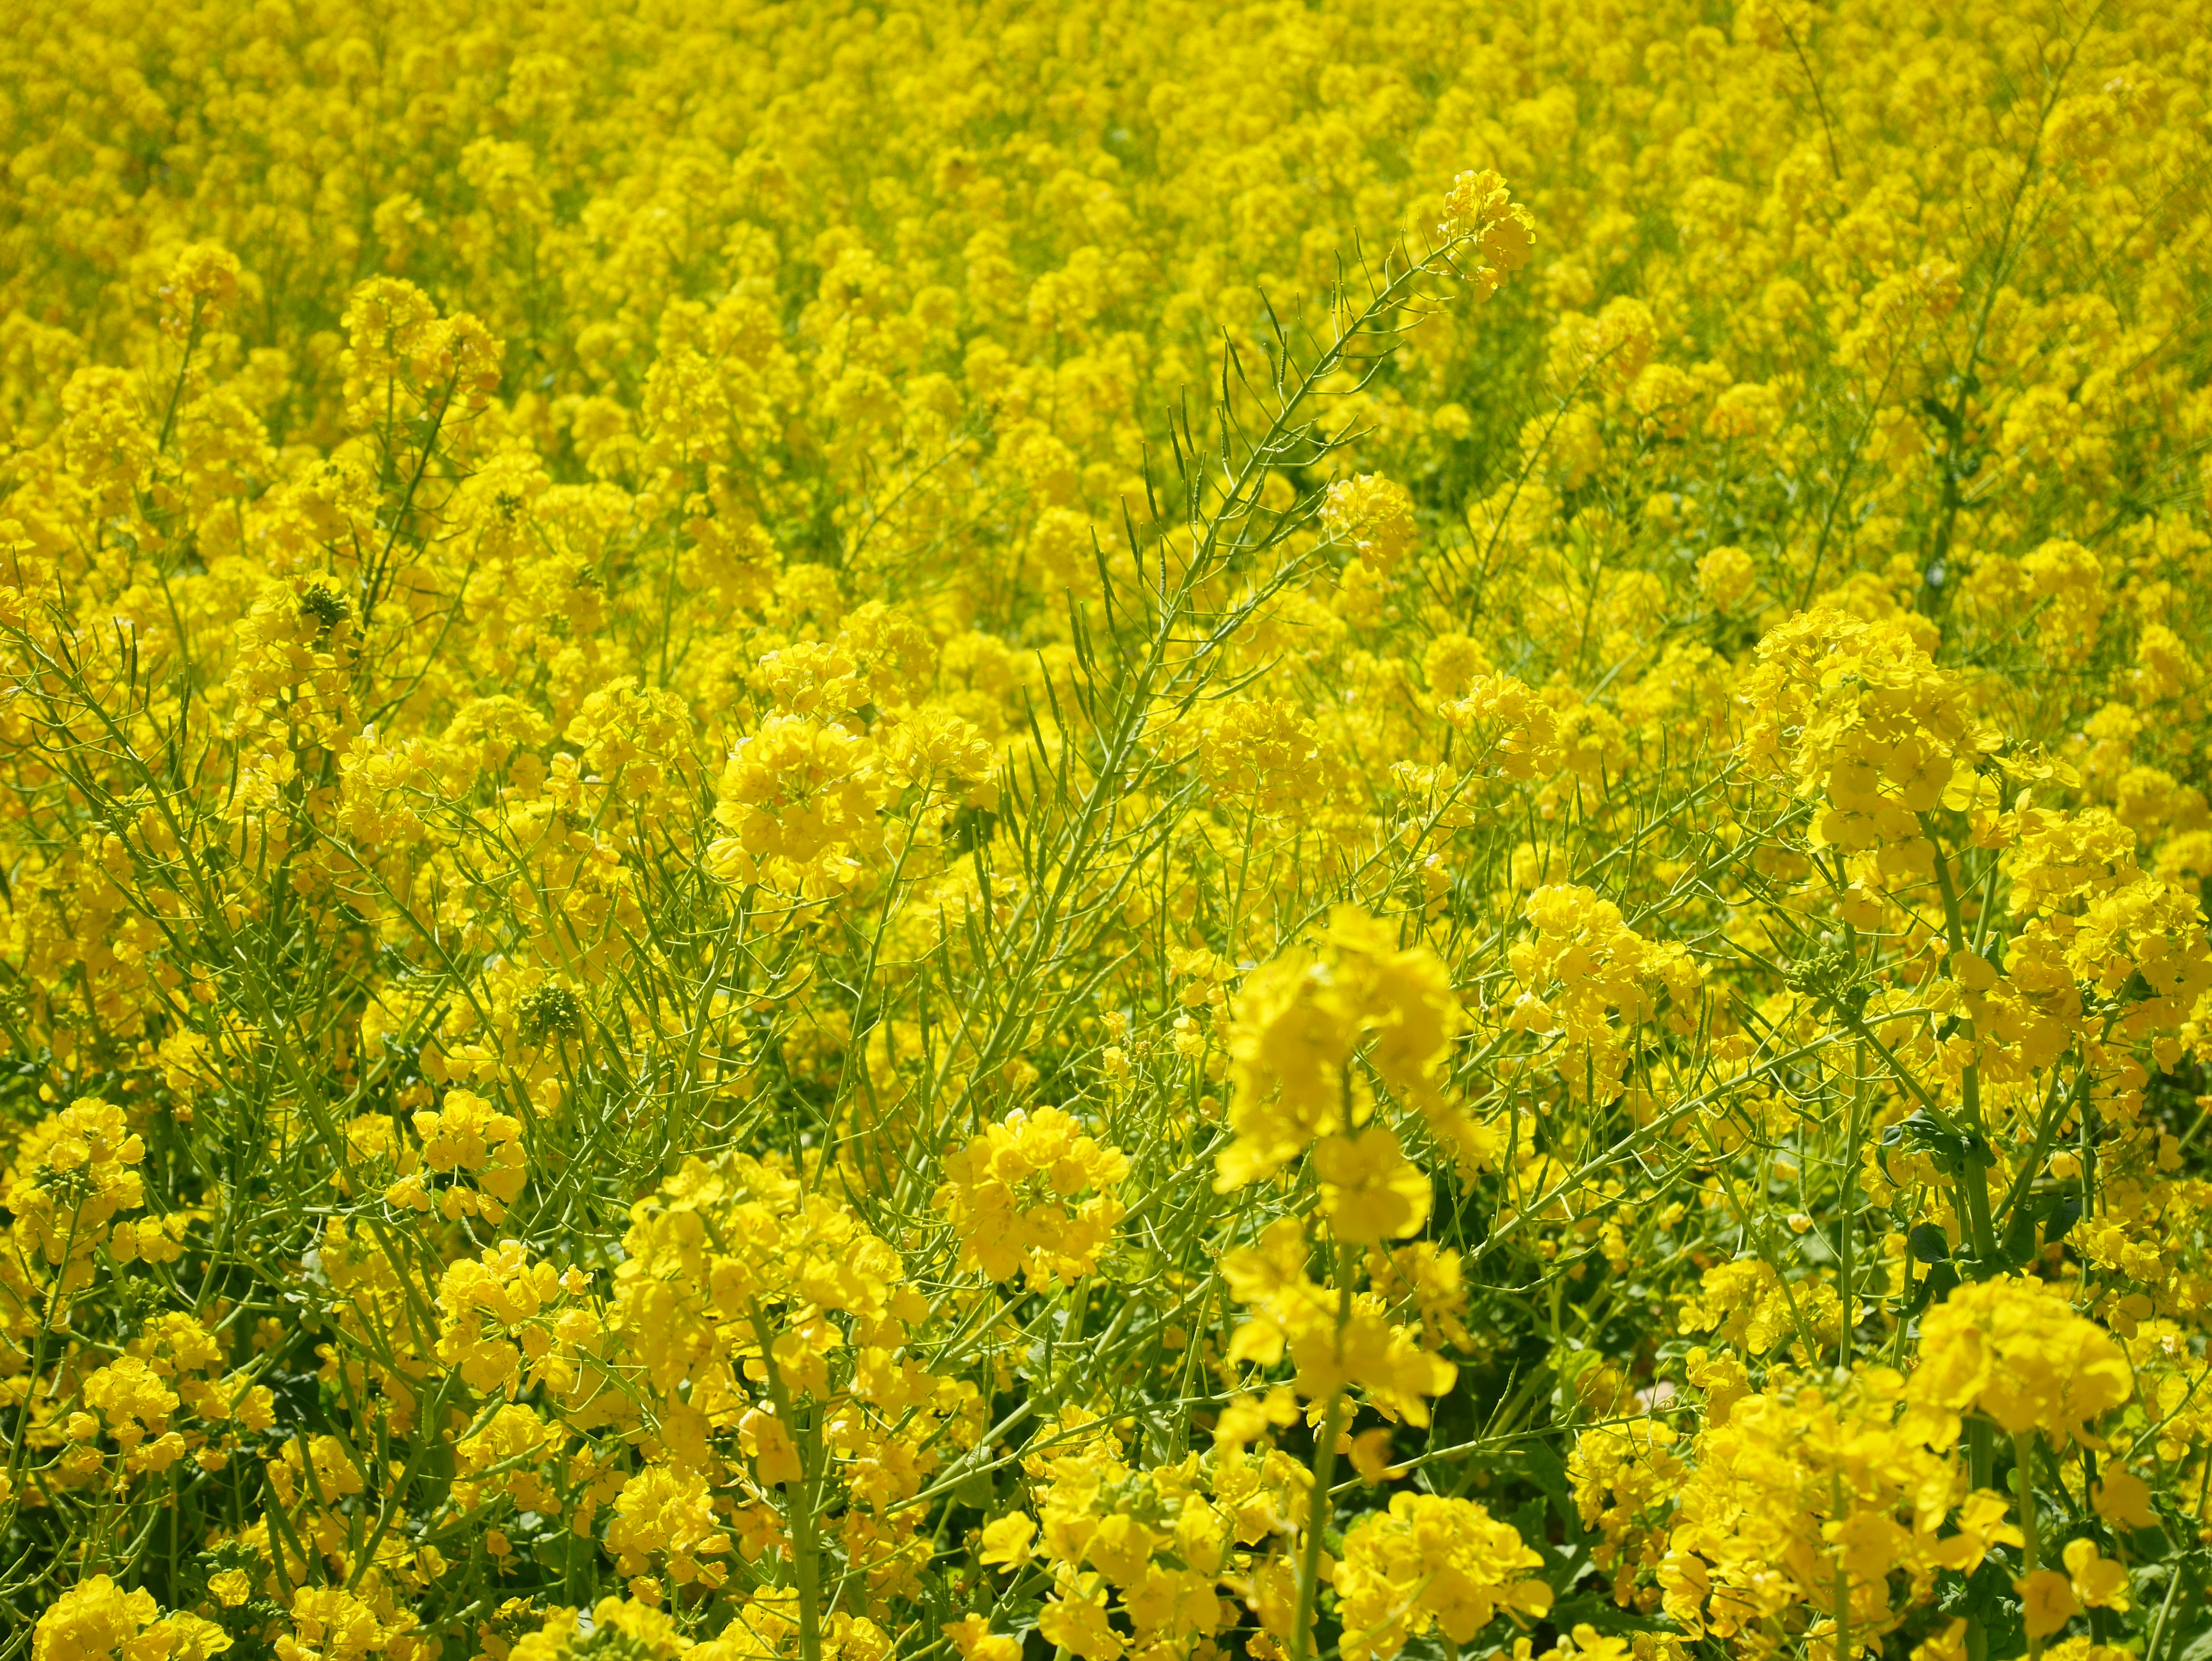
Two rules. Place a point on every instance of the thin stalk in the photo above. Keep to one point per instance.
(1843, 1588)
(2023, 1455)
(1973, 1186)
(799, 1500)
(1847, 1229)
(1324, 1471)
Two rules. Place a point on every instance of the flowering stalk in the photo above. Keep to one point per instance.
(1848, 1230)
(1843, 1593)
(1973, 1182)
(1318, 1503)
(799, 1497)
(2023, 1455)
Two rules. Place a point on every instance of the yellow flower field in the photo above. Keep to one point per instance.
(1119, 829)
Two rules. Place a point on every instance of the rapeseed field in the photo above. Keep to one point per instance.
(975, 831)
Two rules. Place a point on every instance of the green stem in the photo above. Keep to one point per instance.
(1974, 1195)
(1324, 1472)
(1852, 1132)
(1973, 1175)
(799, 1500)
(2023, 1455)
(1973, 1181)
(1843, 1611)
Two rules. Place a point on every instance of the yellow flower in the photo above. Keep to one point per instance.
(936, 695)
(96, 1620)
(1726, 575)
(1006, 1540)
(1431, 1561)
(1498, 232)
(2046, 1602)
(1370, 1191)
(71, 1173)
(1985, 1520)
(2099, 1582)
(1298, 1022)
(1075, 1620)
(1371, 516)
(974, 1640)
(1012, 1193)
(2016, 1350)
(2124, 1499)
(1588, 976)
(799, 800)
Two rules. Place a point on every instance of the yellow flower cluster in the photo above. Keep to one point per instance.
(97, 1618)
(2016, 1350)
(1429, 1561)
(72, 1173)
(1585, 975)
(1297, 1024)
(1009, 1193)
(1333, 1350)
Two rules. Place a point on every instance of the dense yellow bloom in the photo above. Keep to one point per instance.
(1297, 1318)
(96, 1620)
(1856, 716)
(1498, 232)
(1369, 1190)
(1013, 1193)
(1625, 1480)
(1371, 516)
(468, 1137)
(834, 830)
(798, 801)
(1299, 1020)
(1800, 1487)
(2016, 1350)
(494, 1311)
(1430, 1561)
(1580, 969)
(73, 1172)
